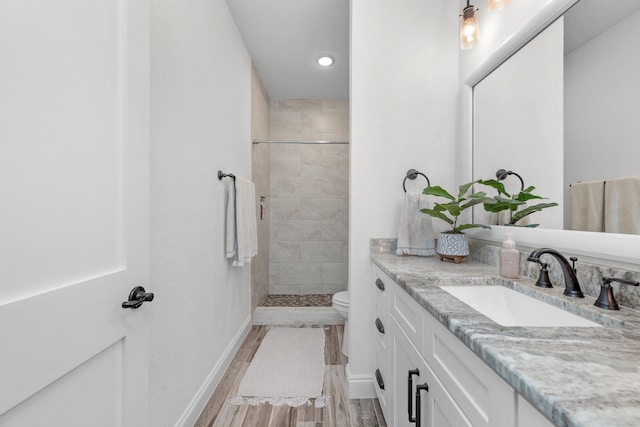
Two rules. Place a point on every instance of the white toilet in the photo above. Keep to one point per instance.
(341, 302)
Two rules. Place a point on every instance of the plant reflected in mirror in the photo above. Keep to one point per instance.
(514, 205)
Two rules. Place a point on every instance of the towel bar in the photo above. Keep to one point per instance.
(224, 175)
(413, 174)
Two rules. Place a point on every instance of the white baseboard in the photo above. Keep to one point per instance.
(360, 386)
(204, 393)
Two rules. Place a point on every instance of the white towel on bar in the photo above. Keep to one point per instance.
(246, 223)
(232, 243)
(242, 230)
(415, 232)
(587, 206)
(622, 205)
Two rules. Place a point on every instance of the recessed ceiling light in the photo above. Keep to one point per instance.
(325, 61)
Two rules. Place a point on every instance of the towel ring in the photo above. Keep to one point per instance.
(413, 174)
(502, 174)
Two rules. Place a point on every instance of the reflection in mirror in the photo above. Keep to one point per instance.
(563, 112)
(518, 124)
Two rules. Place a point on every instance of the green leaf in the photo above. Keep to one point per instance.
(464, 188)
(452, 208)
(495, 184)
(478, 195)
(496, 207)
(511, 202)
(438, 191)
(474, 202)
(523, 196)
(437, 214)
(531, 209)
(528, 189)
(467, 226)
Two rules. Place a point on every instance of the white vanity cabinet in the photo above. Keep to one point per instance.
(462, 389)
(417, 393)
(382, 354)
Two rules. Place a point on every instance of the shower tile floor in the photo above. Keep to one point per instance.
(313, 300)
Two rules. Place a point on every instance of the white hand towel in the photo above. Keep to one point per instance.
(587, 202)
(232, 243)
(622, 205)
(246, 223)
(415, 232)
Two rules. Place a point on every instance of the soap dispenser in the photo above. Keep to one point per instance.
(509, 258)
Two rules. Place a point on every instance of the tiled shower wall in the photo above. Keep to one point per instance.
(308, 200)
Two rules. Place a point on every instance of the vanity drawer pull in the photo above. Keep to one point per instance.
(379, 325)
(419, 388)
(380, 284)
(379, 379)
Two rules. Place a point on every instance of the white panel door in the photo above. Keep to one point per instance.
(74, 194)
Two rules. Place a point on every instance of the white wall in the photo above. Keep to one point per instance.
(518, 124)
(601, 106)
(403, 115)
(200, 122)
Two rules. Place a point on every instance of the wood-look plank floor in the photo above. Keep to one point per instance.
(340, 412)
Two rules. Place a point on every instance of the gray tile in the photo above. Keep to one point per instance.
(273, 273)
(336, 105)
(335, 187)
(293, 187)
(278, 149)
(286, 165)
(321, 251)
(285, 251)
(320, 289)
(335, 230)
(336, 209)
(295, 230)
(277, 289)
(335, 274)
(300, 274)
(283, 208)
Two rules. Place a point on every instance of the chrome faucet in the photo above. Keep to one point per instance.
(572, 287)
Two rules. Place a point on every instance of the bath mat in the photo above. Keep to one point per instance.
(287, 369)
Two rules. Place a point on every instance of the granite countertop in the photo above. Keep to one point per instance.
(575, 376)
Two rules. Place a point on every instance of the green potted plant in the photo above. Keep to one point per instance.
(514, 205)
(453, 244)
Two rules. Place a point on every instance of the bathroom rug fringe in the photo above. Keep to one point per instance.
(295, 402)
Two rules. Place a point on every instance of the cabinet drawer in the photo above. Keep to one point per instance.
(381, 375)
(381, 284)
(484, 397)
(408, 313)
(380, 324)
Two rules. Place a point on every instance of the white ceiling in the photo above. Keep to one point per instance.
(284, 39)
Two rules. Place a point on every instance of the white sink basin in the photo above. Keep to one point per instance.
(511, 308)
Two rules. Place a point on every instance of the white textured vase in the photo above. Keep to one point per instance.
(453, 244)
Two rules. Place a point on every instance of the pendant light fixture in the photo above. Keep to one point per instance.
(497, 4)
(469, 28)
